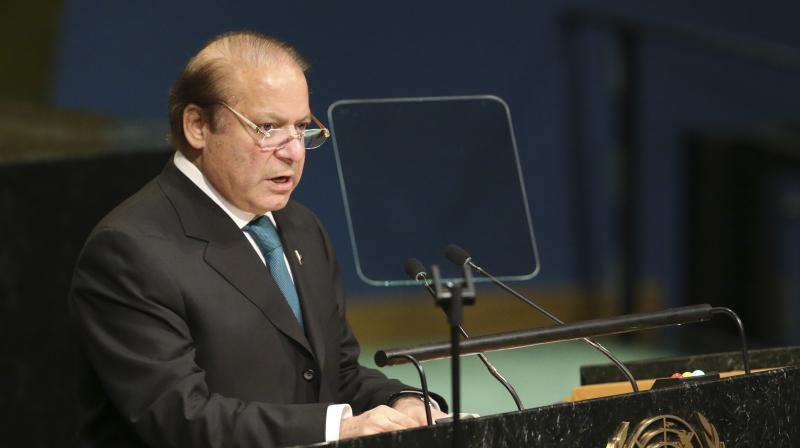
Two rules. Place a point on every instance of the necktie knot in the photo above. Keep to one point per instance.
(265, 233)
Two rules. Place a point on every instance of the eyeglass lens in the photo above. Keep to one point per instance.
(276, 138)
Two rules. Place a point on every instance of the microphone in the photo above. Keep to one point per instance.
(461, 257)
(416, 270)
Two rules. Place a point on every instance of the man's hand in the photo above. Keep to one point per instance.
(376, 420)
(414, 407)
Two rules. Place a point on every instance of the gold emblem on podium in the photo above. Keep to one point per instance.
(667, 431)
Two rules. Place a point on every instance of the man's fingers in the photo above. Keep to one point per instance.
(415, 408)
(418, 414)
(435, 413)
(379, 419)
(396, 417)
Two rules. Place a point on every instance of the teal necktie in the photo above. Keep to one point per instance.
(266, 236)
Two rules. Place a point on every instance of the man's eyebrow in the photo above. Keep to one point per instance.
(306, 118)
(271, 117)
(268, 117)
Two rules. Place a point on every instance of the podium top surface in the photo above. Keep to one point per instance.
(714, 362)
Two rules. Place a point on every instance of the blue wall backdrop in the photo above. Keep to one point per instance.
(120, 58)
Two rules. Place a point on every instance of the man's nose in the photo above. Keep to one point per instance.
(292, 148)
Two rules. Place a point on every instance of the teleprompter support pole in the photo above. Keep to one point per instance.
(452, 298)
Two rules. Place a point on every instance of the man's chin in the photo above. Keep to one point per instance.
(272, 205)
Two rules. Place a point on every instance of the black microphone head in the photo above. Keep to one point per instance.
(457, 254)
(414, 268)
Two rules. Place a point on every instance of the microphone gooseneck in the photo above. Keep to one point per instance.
(461, 257)
(416, 270)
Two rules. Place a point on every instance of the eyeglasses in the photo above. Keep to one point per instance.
(277, 138)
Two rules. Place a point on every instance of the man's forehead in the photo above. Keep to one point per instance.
(270, 96)
(273, 115)
(266, 76)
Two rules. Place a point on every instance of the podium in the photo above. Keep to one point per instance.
(757, 410)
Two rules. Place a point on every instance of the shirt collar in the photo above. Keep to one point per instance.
(190, 170)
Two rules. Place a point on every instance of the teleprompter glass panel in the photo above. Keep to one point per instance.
(418, 174)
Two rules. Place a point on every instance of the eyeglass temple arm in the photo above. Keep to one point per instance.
(321, 126)
(246, 120)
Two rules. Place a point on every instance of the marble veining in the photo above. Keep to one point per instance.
(760, 410)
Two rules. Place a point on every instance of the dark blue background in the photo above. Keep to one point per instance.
(120, 58)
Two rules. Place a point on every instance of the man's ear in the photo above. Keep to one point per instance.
(195, 126)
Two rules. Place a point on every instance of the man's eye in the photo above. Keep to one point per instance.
(266, 127)
(302, 126)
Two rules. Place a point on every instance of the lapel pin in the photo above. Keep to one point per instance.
(299, 257)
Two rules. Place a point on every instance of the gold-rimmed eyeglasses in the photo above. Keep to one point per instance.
(276, 138)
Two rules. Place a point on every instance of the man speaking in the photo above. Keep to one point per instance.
(208, 304)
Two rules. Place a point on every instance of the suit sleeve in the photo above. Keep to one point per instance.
(134, 331)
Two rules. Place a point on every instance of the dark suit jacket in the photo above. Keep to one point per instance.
(187, 340)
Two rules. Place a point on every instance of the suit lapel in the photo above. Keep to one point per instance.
(229, 252)
(252, 279)
(292, 240)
